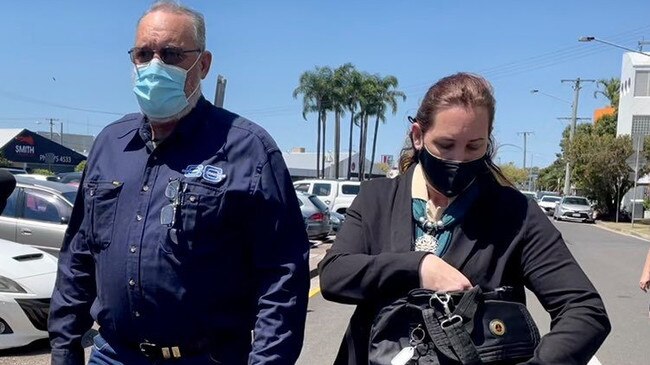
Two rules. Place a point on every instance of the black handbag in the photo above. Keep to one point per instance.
(469, 327)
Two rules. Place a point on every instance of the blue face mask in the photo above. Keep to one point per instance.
(160, 88)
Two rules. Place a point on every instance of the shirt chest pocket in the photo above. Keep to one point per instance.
(101, 206)
(199, 220)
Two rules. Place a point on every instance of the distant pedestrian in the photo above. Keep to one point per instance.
(186, 242)
(452, 220)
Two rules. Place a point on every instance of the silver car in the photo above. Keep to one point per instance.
(574, 208)
(37, 213)
(315, 214)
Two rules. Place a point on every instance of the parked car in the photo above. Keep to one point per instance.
(574, 208)
(336, 194)
(15, 171)
(27, 277)
(529, 194)
(336, 221)
(37, 213)
(316, 215)
(543, 193)
(71, 178)
(548, 202)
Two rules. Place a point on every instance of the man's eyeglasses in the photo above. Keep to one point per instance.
(168, 212)
(169, 55)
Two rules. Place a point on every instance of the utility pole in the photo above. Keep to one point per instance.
(574, 118)
(52, 120)
(525, 134)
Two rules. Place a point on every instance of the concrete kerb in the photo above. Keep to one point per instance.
(624, 230)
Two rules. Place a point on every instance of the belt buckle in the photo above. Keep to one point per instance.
(149, 349)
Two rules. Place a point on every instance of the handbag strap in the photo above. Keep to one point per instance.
(449, 334)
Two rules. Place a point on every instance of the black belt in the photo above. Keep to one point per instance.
(167, 352)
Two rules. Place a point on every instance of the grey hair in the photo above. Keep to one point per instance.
(171, 6)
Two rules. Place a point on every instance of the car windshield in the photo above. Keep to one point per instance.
(576, 201)
(552, 199)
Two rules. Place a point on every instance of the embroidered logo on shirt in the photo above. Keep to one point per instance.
(209, 173)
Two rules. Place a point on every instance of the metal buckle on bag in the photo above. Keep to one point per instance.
(451, 321)
(442, 298)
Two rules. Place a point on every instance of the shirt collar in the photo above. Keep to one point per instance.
(419, 184)
(184, 127)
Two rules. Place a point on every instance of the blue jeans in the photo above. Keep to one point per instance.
(103, 353)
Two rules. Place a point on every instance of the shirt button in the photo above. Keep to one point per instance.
(138, 217)
(132, 249)
(136, 313)
(131, 282)
(145, 188)
(192, 198)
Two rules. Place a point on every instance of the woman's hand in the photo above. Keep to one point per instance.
(436, 274)
(644, 282)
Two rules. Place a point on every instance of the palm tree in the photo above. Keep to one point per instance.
(339, 100)
(367, 94)
(386, 97)
(314, 89)
(352, 90)
(611, 90)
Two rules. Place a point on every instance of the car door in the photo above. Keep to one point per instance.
(44, 219)
(8, 219)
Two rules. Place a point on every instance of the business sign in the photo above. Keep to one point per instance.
(30, 147)
(387, 159)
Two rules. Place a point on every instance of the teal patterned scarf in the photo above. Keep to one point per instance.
(443, 229)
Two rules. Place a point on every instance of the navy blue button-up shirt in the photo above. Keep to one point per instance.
(198, 238)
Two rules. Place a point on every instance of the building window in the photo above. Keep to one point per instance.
(642, 83)
(641, 125)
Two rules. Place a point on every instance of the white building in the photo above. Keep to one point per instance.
(634, 103)
(302, 164)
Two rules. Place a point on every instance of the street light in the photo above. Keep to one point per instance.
(594, 39)
(536, 91)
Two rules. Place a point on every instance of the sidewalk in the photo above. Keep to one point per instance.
(316, 254)
(641, 228)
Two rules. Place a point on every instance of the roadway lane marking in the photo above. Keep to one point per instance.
(314, 291)
(594, 361)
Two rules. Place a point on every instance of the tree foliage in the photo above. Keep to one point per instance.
(344, 89)
(551, 178)
(81, 166)
(610, 89)
(516, 175)
(599, 168)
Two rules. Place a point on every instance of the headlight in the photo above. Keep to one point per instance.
(9, 286)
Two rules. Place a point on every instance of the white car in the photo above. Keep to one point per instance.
(27, 277)
(336, 194)
(548, 202)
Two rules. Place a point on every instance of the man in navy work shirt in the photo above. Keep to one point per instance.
(186, 243)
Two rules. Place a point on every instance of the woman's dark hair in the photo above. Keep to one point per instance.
(461, 89)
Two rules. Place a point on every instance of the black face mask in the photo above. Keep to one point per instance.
(450, 177)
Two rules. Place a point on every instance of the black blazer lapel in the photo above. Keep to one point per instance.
(401, 236)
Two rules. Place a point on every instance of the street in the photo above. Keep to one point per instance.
(612, 261)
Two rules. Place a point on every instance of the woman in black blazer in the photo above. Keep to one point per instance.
(400, 234)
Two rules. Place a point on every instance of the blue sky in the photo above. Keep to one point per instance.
(68, 60)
